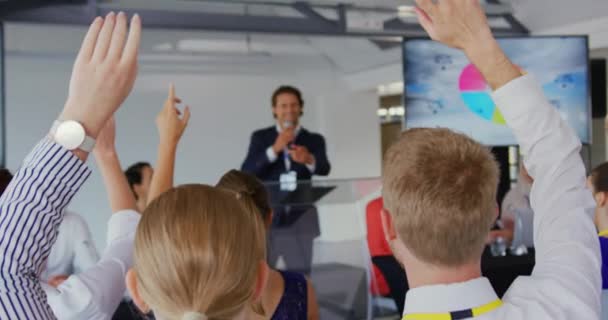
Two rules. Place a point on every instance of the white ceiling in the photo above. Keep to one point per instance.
(193, 50)
(545, 14)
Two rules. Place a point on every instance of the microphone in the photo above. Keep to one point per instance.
(288, 125)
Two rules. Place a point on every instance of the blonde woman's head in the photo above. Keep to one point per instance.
(199, 249)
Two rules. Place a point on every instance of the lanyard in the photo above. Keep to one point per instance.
(456, 315)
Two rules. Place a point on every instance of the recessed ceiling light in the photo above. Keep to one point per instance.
(406, 11)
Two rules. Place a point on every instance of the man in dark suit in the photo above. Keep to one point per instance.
(288, 149)
(286, 146)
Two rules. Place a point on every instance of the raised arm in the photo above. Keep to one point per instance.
(96, 292)
(33, 205)
(567, 249)
(104, 73)
(170, 128)
(119, 194)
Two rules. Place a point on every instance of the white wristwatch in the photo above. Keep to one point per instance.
(71, 135)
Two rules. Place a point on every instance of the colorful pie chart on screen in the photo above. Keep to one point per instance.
(475, 94)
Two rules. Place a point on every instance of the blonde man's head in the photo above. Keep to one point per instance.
(199, 249)
(440, 190)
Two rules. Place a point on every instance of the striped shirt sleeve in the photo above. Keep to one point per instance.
(31, 210)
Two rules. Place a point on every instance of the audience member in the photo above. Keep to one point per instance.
(73, 251)
(199, 254)
(516, 214)
(34, 203)
(598, 183)
(199, 250)
(170, 128)
(139, 176)
(96, 292)
(5, 179)
(382, 255)
(440, 189)
(288, 295)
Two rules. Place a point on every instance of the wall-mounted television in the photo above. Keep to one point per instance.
(443, 89)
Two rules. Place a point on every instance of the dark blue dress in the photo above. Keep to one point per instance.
(294, 303)
(604, 250)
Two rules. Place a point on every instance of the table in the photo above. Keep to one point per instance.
(502, 271)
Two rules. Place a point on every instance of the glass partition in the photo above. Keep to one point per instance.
(319, 228)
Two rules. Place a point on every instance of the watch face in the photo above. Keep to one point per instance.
(70, 134)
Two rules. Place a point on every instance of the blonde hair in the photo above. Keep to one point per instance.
(440, 189)
(198, 250)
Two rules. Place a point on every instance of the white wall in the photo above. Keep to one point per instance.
(594, 28)
(350, 124)
(225, 110)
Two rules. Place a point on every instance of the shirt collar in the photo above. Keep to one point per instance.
(298, 128)
(450, 297)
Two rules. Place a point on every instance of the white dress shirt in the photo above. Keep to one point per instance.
(73, 251)
(95, 293)
(272, 156)
(31, 209)
(566, 281)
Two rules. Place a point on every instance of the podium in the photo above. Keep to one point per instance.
(319, 229)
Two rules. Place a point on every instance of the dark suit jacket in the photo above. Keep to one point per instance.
(257, 161)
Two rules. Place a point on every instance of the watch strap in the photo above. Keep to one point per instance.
(88, 144)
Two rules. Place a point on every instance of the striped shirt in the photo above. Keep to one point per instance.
(31, 210)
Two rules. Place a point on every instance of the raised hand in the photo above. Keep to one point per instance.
(300, 154)
(457, 23)
(104, 71)
(170, 126)
(462, 24)
(283, 139)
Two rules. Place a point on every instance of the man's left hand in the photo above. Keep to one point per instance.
(300, 154)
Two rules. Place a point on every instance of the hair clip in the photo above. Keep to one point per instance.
(194, 316)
